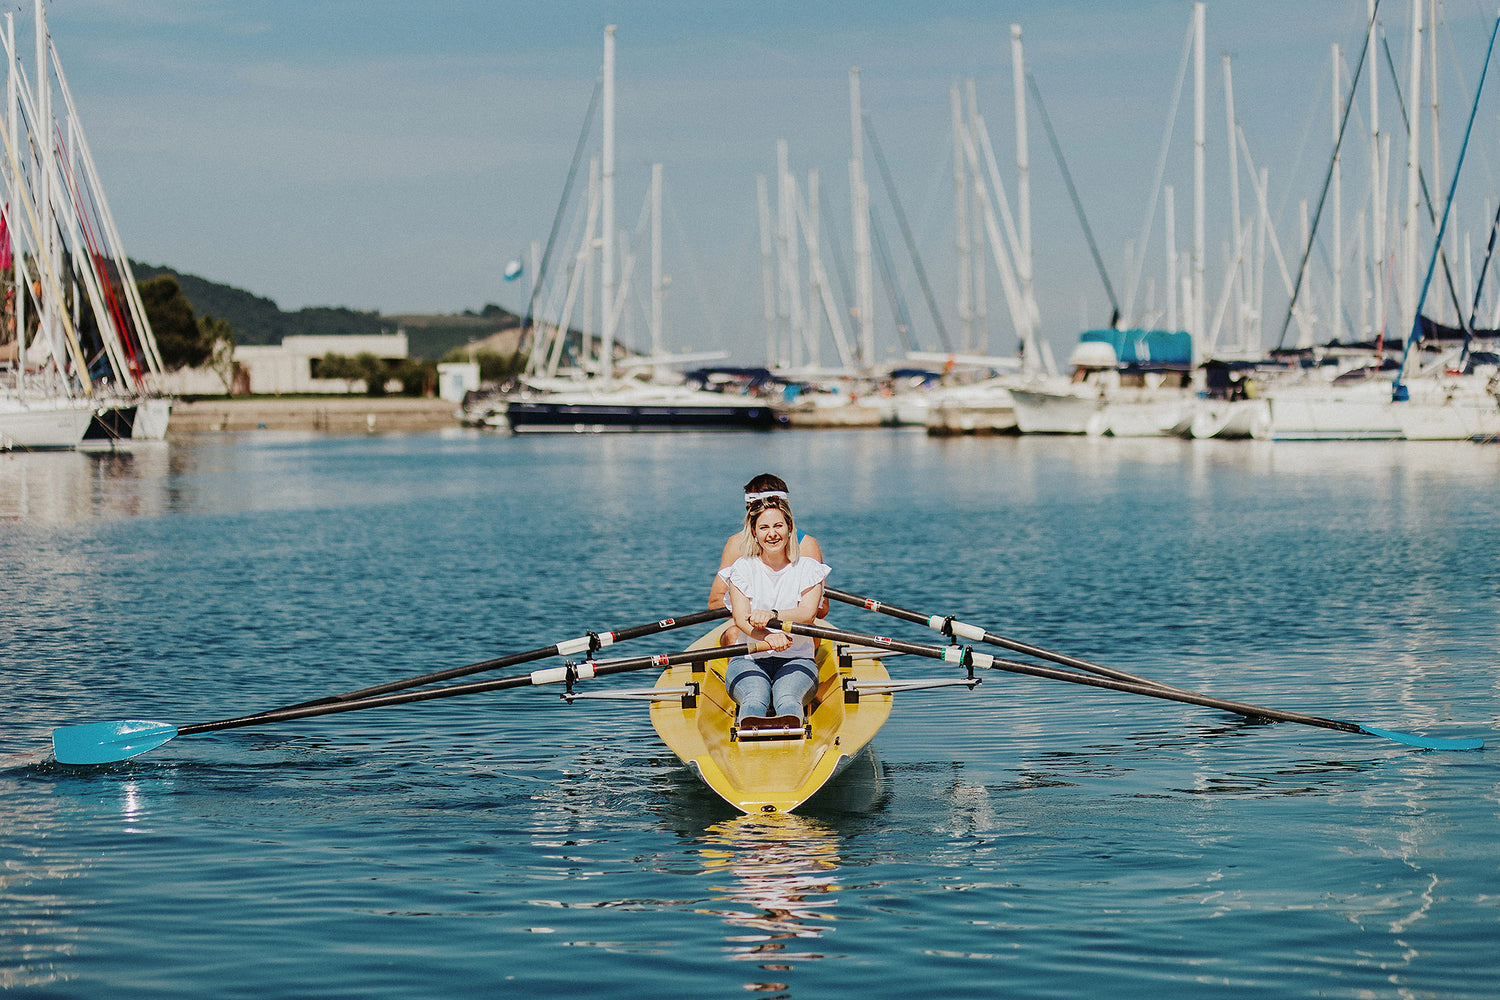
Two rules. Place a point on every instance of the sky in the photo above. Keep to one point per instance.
(395, 156)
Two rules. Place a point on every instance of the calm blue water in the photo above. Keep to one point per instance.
(1029, 839)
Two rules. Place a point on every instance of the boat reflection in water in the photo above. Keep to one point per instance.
(780, 874)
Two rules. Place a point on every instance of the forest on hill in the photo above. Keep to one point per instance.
(256, 319)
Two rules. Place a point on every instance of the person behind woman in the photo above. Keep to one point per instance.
(772, 579)
(761, 487)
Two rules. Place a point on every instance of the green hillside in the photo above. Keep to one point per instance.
(258, 320)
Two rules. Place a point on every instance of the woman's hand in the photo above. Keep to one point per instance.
(760, 616)
(778, 640)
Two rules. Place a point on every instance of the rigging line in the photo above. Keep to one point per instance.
(1399, 390)
(1458, 310)
(82, 206)
(911, 245)
(1489, 252)
(1458, 73)
(536, 286)
(1088, 234)
(892, 289)
(712, 316)
(835, 248)
(1161, 170)
(1328, 177)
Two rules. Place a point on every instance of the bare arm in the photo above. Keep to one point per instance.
(717, 590)
(806, 611)
(810, 547)
(751, 623)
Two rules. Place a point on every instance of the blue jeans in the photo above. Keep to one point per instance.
(757, 684)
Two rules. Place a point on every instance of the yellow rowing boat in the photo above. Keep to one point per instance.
(773, 769)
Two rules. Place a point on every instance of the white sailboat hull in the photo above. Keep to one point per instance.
(43, 423)
(1240, 418)
(152, 416)
(1454, 409)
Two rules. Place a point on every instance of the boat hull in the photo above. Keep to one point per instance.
(542, 414)
(43, 424)
(770, 775)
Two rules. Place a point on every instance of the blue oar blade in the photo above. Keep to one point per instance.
(1426, 742)
(106, 742)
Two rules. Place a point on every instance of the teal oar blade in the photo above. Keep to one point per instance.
(106, 742)
(1425, 742)
(966, 656)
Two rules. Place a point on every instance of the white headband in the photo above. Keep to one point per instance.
(768, 494)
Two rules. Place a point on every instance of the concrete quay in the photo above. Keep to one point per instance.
(331, 415)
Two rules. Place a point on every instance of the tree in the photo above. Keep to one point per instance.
(339, 366)
(220, 337)
(418, 377)
(178, 336)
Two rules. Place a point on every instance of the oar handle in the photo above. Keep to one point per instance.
(554, 675)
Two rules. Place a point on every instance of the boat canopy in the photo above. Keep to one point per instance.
(1139, 347)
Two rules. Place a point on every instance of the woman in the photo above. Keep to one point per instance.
(772, 579)
(762, 486)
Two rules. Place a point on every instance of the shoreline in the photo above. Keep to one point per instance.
(338, 415)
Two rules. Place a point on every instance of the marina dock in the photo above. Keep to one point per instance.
(336, 415)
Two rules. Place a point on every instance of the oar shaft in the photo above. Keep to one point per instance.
(570, 647)
(984, 660)
(581, 671)
(962, 630)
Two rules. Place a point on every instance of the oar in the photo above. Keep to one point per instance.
(956, 629)
(967, 657)
(589, 644)
(106, 742)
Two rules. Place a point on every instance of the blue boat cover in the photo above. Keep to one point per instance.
(1138, 347)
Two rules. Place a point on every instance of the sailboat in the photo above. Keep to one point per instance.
(1443, 387)
(73, 374)
(600, 400)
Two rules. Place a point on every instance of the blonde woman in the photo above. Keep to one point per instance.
(772, 579)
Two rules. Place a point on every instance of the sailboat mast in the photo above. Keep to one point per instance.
(961, 226)
(1240, 266)
(1413, 191)
(1377, 192)
(1199, 191)
(1024, 263)
(658, 288)
(767, 283)
(859, 196)
(1336, 307)
(607, 209)
(12, 123)
(47, 251)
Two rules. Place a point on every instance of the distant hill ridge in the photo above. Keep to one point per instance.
(258, 320)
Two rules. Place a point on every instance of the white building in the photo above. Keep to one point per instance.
(290, 367)
(457, 378)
